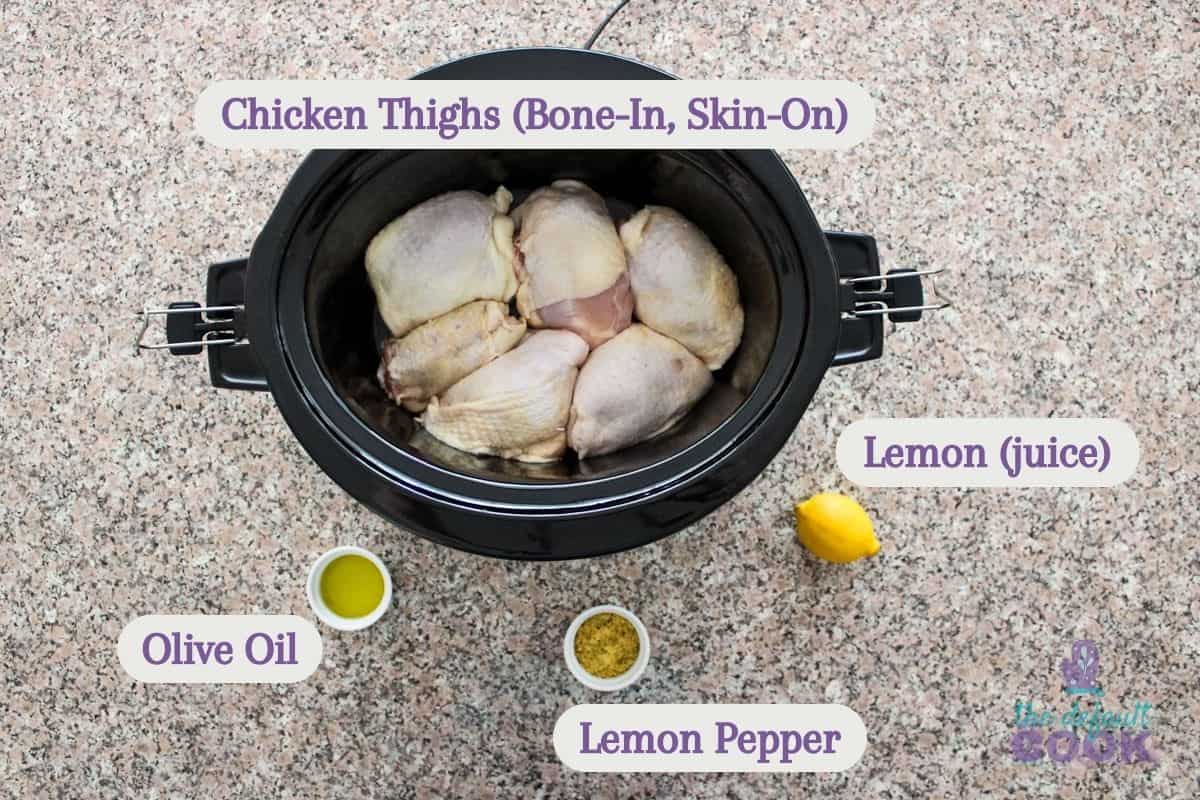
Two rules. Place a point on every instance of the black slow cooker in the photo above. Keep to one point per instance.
(296, 318)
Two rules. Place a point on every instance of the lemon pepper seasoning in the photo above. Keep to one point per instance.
(606, 645)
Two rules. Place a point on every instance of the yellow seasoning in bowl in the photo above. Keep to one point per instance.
(606, 645)
(352, 586)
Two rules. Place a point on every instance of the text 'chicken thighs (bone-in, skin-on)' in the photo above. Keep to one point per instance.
(632, 388)
(515, 406)
(571, 264)
(439, 255)
(682, 287)
(434, 356)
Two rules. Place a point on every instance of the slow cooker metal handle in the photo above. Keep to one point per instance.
(218, 327)
(865, 296)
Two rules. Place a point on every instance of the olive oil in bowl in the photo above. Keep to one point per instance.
(349, 588)
(352, 586)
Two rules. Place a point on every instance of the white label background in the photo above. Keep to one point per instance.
(232, 628)
(672, 96)
(990, 433)
(703, 718)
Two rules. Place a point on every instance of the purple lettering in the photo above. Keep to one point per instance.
(610, 742)
(1093, 750)
(585, 729)
(1088, 457)
(791, 746)
(166, 648)
(786, 111)
(1055, 752)
(1027, 745)
(226, 116)
(726, 731)
(1134, 745)
(768, 743)
(270, 648)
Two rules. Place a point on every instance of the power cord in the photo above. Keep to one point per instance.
(600, 29)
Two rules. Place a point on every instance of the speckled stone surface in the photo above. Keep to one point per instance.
(1047, 153)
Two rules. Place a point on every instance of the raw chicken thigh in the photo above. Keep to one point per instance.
(441, 254)
(515, 406)
(632, 388)
(571, 264)
(444, 272)
(682, 287)
(434, 356)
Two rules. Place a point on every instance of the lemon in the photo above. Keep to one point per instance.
(835, 528)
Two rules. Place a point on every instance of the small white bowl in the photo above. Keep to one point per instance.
(318, 603)
(624, 679)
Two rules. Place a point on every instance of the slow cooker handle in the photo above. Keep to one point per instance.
(218, 326)
(865, 296)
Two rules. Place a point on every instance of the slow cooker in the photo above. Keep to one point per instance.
(296, 318)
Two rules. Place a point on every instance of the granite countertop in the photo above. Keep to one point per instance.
(1046, 153)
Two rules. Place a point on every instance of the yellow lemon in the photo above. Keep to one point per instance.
(835, 528)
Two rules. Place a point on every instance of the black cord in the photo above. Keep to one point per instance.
(599, 30)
